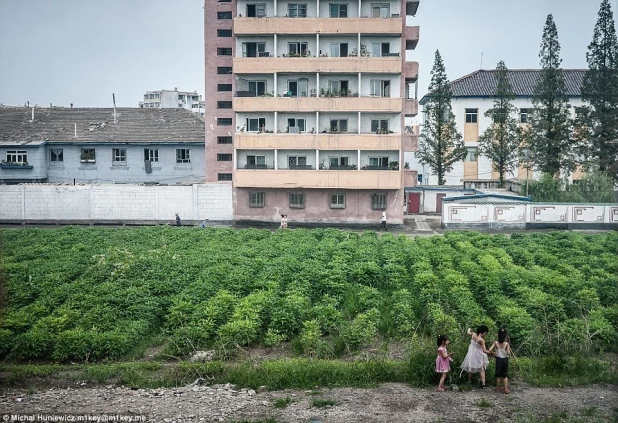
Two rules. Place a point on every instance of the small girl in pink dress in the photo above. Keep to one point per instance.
(443, 360)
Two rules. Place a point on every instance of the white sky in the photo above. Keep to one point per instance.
(82, 51)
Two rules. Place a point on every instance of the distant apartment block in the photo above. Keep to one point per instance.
(130, 145)
(472, 97)
(306, 105)
(168, 99)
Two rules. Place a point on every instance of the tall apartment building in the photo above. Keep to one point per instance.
(472, 97)
(306, 105)
(166, 99)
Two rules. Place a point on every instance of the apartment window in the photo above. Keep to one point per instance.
(224, 87)
(224, 157)
(254, 50)
(339, 86)
(472, 115)
(524, 115)
(299, 48)
(337, 201)
(472, 155)
(56, 155)
(380, 88)
(256, 10)
(183, 155)
(256, 124)
(339, 125)
(224, 140)
(17, 157)
(87, 155)
(257, 87)
(224, 15)
(224, 104)
(227, 33)
(380, 49)
(378, 201)
(296, 125)
(338, 10)
(298, 87)
(224, 70)
(224, 122)
(297, 10)
(378, 162)
(337, 163)
(298, 162)
(224, 176)
(256, 162)
(339, 49)
(151, 155)
(119, 156)
(256, 199)
(379, 125)
(297, 201)
(224, 51)
(380, 10)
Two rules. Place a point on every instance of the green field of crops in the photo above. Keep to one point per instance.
(93, 294)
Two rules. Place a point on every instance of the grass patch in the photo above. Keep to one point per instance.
(323, 402)
(483, 403)
(589, 411)
(282, 402)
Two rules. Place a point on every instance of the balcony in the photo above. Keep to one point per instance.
(368, 179)
(306, 26)
(411, 7)
(253, 65)
(313, 104)
(335, 142)
(410, 143)
(410, 71)
(257, 166)
(15, 165)
(410, 107)
(411, 34)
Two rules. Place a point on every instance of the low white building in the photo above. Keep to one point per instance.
(172, 99)
(472, 97)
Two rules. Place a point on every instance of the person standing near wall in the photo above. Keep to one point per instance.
(384, 221)
(178, 222)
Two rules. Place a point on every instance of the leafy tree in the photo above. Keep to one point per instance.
(548, 139)
(440, 146)
(594, 187)
(599, 120)
(500, 142)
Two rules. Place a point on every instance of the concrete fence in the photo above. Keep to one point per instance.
(111, 203)
(529, 215)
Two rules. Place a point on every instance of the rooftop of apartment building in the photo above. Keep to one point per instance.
(97, 125)
(483, 83)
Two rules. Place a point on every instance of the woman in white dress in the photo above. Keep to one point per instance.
(476, 360)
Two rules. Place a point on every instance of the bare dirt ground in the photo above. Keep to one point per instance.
(387, 403)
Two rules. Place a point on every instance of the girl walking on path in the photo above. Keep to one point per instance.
(476, 360)
(503, 351)
(443, 361)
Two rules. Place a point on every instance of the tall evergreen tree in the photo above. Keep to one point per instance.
(440, 145)
(548, 138)
(600, 90)
(500, 142)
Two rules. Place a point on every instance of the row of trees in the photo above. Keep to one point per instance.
(553, 143)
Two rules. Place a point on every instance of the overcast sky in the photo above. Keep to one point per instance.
(82, 51)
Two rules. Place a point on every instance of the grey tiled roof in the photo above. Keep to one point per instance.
(96, 125)
(482, 83)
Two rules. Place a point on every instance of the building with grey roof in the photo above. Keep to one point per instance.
(471, 98)
(101, 145)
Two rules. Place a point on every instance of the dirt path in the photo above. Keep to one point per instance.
(388, 403)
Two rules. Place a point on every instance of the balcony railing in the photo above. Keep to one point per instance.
(300, 167)
(257, 166)
(342, 167)
(376, 168)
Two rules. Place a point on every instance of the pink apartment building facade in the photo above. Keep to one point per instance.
(305, 107)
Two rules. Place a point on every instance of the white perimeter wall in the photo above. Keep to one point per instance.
(115, 202)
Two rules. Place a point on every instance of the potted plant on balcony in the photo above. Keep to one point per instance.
(322, 165)
(406, 165)
(353, 167)
(363, 51)
(353, 53)
(6, 163)
(393, 165)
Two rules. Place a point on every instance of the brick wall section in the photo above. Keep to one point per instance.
(11, 198)
(115, 203)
